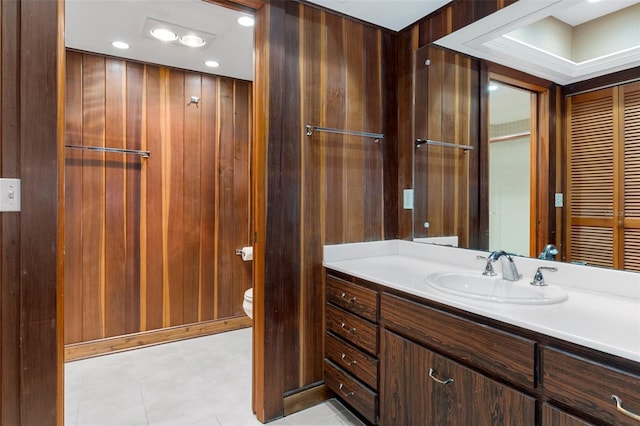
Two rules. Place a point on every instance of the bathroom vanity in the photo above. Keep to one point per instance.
(401, 352)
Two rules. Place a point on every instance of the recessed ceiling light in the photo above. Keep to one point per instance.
(192, 40)
(212, 64)
(120, 45)
(492, 87)
(164, 34)
(246, 21)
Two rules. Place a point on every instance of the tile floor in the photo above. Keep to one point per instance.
(198, 382)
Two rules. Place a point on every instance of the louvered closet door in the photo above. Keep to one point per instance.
(604, 177)
(591, 178)
(631, 118)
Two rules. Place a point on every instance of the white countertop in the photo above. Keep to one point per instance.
(602, 311)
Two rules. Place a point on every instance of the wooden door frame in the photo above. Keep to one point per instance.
(258, 185)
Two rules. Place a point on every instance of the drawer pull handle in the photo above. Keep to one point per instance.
(444, 382)
(349, 330)
(348, 394)
(351, 300)
(627, 413)
(346, 361)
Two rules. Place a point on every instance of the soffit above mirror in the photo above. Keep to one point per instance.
(564, 41)
(92, 25)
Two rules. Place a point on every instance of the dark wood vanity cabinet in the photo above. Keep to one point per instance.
(420, 387)
(422, 380)
(588, 387)
(401, 360)
(351, 345)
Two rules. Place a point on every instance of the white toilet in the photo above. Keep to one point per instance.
(247, 305)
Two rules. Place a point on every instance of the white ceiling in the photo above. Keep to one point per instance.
(91, 25)
(580, 11)
(392, 14)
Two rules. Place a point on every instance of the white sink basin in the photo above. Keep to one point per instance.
(474, 285)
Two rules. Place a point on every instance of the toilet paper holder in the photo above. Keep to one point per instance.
(245, 252)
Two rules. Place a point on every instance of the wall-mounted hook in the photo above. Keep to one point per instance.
(194, 100)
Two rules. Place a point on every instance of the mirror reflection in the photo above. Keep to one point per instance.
(510, 183)
(558, 177)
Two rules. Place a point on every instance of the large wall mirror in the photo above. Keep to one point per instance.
(477, 174)
(571, 177)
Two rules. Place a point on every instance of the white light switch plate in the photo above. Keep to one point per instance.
(9, 195)
(559, 202)
(408, 199)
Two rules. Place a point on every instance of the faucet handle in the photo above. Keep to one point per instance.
(488, 269)
(538, 278)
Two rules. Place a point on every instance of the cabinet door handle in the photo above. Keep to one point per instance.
(444, 382)
(346, 361)
(351, 300)
(627, 413)
(349, 330)
(348, 394)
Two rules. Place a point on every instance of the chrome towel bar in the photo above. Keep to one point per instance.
(375, 136)
(143, 154)
(420, 142)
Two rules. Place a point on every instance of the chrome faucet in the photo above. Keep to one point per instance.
(509, 270)
(549, 252)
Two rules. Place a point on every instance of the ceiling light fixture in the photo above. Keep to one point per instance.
(120, 45)
(212, 64)
(246, 21)
(163, 34)
(175, 34)
(493, 87)
(192, 40)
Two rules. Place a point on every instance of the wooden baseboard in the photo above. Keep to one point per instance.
(94, 348)
(307, 397)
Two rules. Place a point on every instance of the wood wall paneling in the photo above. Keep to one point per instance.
(465, 123)
(30, 110)
(406, 43)
(446, 109)
(314, 192)
(10, 356)
(150, 243)
(329, 71)
(391, 144)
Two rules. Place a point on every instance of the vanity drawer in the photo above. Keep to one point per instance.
(497, 352)
(351, 391)
(353, 360)
(587, 386)
(354, 329)
(353, 298)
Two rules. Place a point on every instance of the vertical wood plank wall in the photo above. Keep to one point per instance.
(31, 48)
(150, 243)
(446, 109)
(453, 117)
(326, 70)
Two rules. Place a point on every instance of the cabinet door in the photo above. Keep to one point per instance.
(418, 386)
(551, 416)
